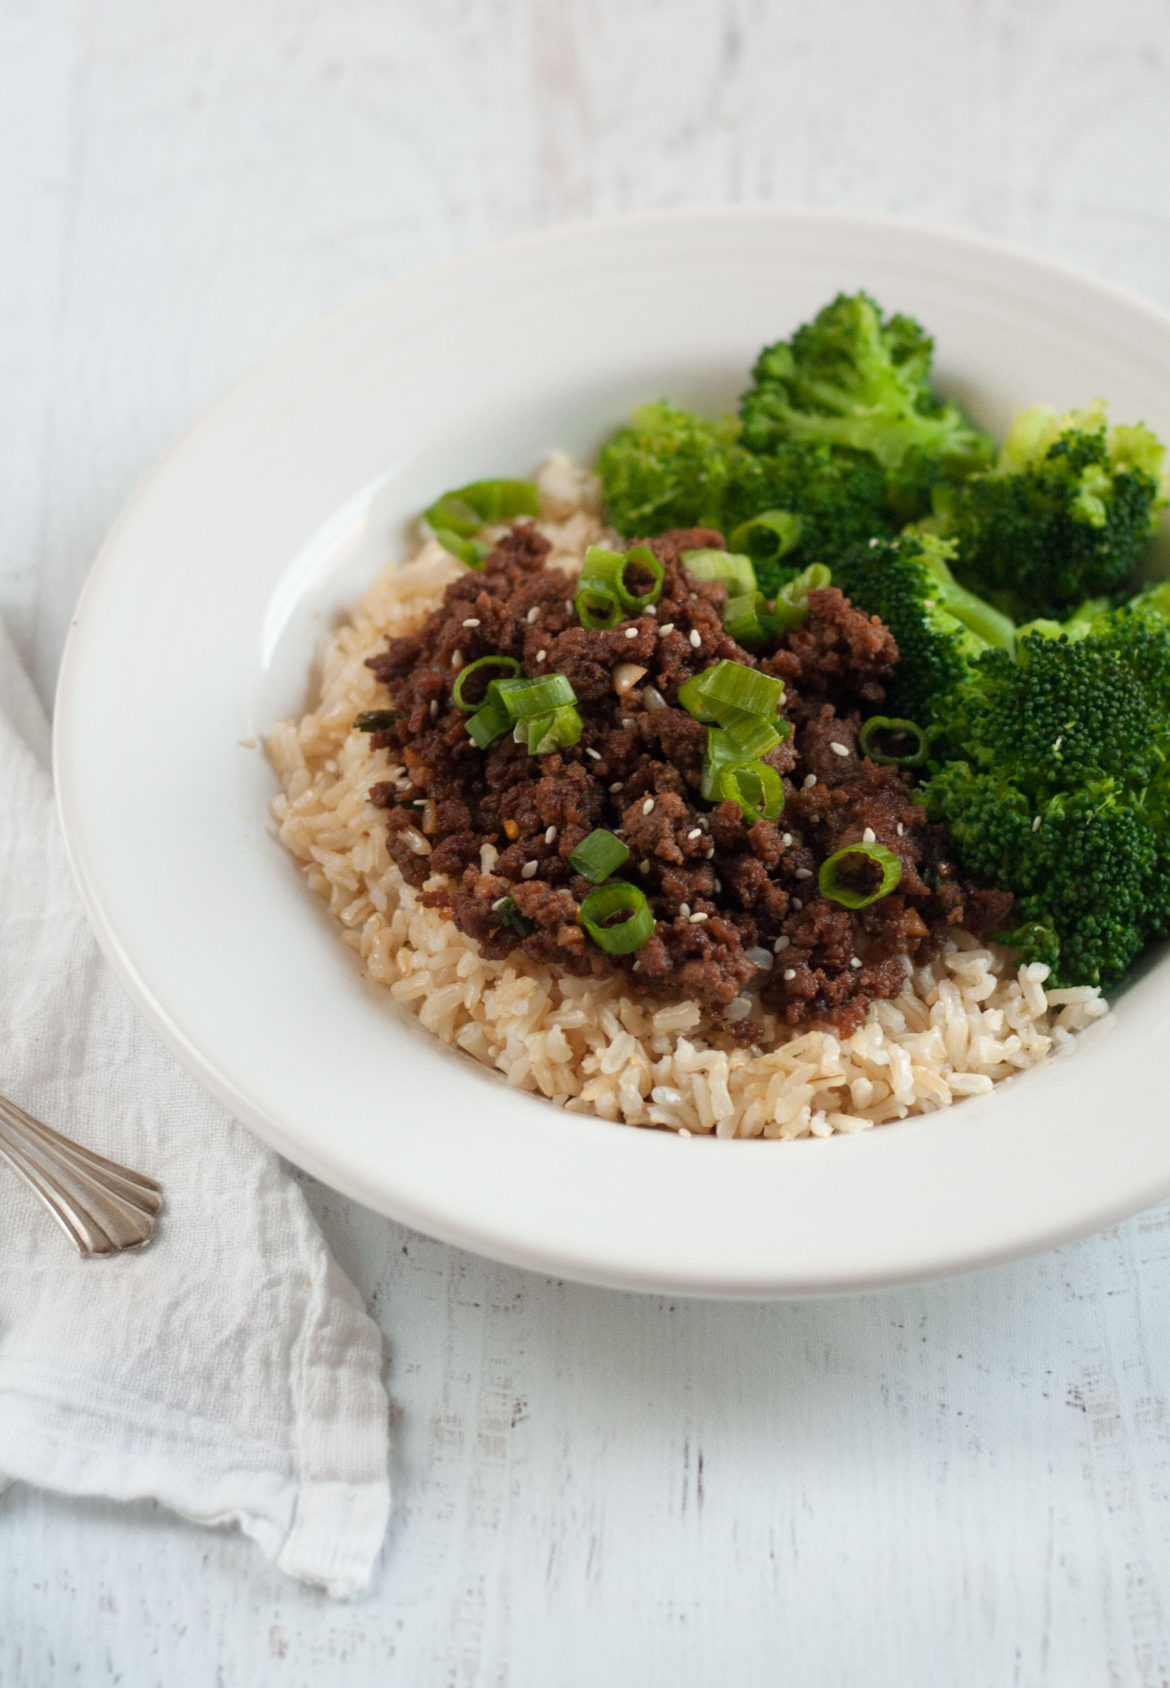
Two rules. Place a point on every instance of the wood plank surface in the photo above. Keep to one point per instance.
(966, 1483)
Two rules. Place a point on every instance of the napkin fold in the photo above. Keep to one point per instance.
(228, 1370)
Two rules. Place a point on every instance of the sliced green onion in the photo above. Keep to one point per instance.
(463, 511)
(598, 609)
(771, 534)
(833, 886)
(740, 687)
(732, 568)
(525, 699)
(730, 686)
(597, 856)
(896, 727)
(509, 915)
(791, 606)
(746, 619)
(617, 898)
(555, 731)
(471, 552)
(489, 721)
(609, 569)
(459, 697)
(755, 787)
(375, 720)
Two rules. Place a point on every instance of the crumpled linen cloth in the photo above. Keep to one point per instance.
(229, 1370)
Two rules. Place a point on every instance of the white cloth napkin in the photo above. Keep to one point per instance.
(229, 1369)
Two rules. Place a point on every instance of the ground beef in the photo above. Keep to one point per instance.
(736, 905)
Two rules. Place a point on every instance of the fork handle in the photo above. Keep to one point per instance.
(102, 1207)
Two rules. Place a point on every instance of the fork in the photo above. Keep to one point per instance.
(101, 1206)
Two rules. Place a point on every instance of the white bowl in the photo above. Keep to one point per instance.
(196, 630)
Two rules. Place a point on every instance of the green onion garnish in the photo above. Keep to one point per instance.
(463, 511)
(738, 746)
(605, 592)
(735, 686)
(746, 619)
(509, 915)
(771, 534)
(470, 552)
(611, 569)
(832, 886)
(755, 787)
(459, 697)
(375, 720)
(489, 721)
(525, 699)
(598, 609)
(555, 731)
(732, 568)
(791, 606)
(617, 898)
(878, 726)
(597, 856)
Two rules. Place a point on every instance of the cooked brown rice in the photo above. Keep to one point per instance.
(959, 1025)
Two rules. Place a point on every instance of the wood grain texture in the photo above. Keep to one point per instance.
(967, 1483)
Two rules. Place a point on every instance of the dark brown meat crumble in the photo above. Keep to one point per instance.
(735, 904)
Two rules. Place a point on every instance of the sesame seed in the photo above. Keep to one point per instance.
(650, 609)
(786, 840)
(796, 903)
(631, 632)
(838, 748)
(616, 786)
(667, 627)
(534, 614)
(697, 919)
(644, 865)
(472, 621)
(809, 781)
(626, 722)
(781, 944)
(695, 832)
(647, 805)
(869, 836)
(569, 605)
(790, 972)
(696, 638)
(718, 885)
(685, 910)
(540, 655)
(874, 542)
(1036, 824)
(499, 903)
(528, 871)
(596, 754)
(434, 710)
(709, 853)
(901, 830)
(551, 835)
(855, 961)
(804, 873)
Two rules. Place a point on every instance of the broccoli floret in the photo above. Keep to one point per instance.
(671, 468)
(851, 378)
(1064, 514)
(1057, 786)
(837, 497)
(939, 628)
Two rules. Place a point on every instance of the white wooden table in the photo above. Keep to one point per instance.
(967, 1483)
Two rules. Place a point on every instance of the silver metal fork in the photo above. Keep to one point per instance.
(101, 1206)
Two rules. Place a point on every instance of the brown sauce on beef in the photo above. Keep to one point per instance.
(636, 771)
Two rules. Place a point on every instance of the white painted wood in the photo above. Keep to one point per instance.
(962, 1484)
